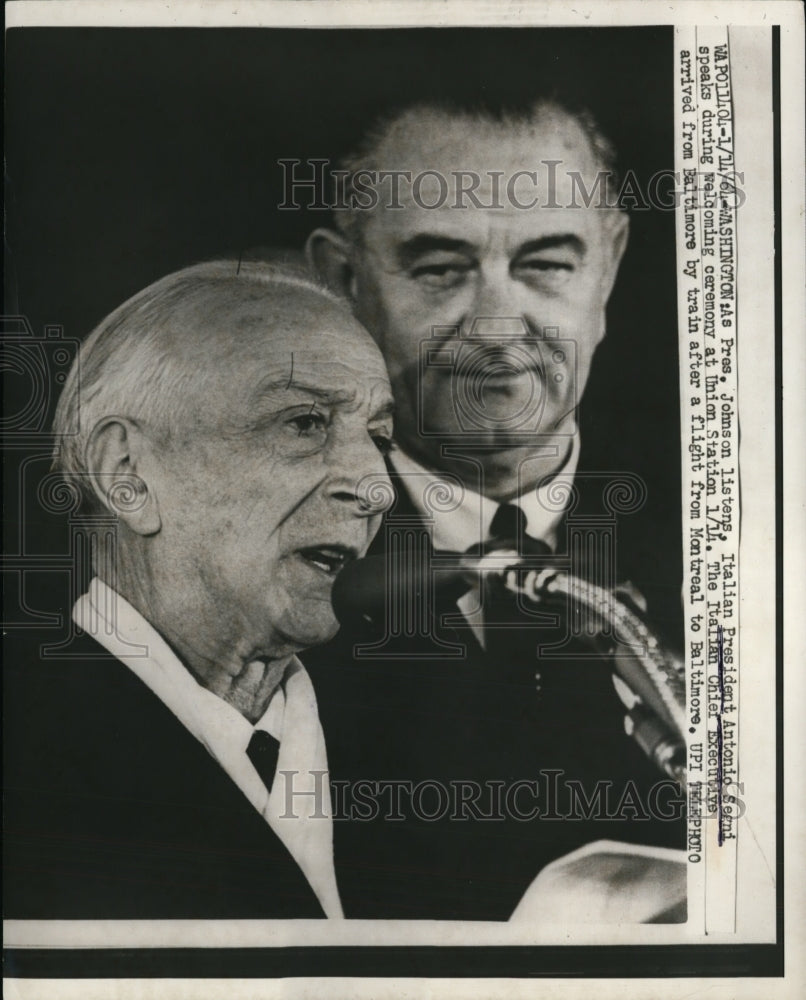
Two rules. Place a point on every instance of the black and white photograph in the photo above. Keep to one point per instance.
(394, 494)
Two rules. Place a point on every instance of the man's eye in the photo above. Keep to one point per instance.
(307, 424)
(553, 270)
(440, 274)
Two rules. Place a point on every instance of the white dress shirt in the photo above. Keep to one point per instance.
(302, 821)
(465, 519)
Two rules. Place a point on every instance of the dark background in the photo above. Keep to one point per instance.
(133, 152)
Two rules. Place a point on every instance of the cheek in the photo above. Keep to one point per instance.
(244, 545)
(580, 323)
(267, 499)
(390, 314)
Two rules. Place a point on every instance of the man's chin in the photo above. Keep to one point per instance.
(497, 465)
(315, 631)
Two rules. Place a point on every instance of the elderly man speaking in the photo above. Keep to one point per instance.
(232, 419)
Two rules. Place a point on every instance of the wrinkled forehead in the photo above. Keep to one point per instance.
(237, 343)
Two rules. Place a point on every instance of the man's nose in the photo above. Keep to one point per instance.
(358, 475)
(499, 310)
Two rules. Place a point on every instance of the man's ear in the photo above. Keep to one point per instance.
(616, 237)
(116, 458)
(328, 256)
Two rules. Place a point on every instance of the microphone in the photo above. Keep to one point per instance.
(608, 622)
(361, 592)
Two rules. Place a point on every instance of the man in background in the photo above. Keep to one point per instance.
(480, 249)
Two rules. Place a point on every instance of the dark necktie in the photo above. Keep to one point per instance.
(508, 530)
(510, 632)
(263, 750)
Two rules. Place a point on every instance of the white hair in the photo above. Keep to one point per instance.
(126, 365)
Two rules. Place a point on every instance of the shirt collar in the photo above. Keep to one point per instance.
(465, 518)
(123, 631)
(292, 717)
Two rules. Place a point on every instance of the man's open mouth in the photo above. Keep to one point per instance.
(328, 558)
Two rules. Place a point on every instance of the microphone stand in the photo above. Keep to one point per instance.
(653, 675)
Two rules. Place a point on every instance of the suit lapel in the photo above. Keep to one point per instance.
(111, 766)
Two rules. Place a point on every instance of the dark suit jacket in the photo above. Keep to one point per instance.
(424, 715)
(114, 810)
